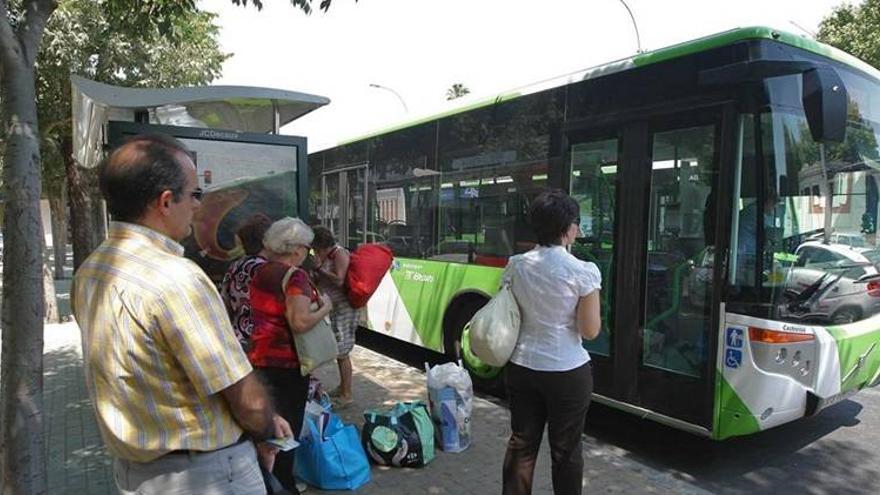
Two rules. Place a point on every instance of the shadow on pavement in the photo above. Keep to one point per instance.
(812, 455)
(793, 458)
(76, 459)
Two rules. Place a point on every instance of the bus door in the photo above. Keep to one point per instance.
(592, 168)
(678, 315)
(645, 190)
(344, 204)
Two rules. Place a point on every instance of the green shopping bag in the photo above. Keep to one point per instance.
(402, 436)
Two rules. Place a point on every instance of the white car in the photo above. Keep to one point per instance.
(852, 239)
(833, 283)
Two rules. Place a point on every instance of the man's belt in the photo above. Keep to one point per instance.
(243, 438)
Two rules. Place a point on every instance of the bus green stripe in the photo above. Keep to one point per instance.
(428, 287)
(859, 357)
(472, 106)
(732, 417)
(654, 57)
(749, 33)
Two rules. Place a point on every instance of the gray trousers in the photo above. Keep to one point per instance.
(228, 471)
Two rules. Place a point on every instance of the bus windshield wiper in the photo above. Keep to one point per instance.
(868, 276)
(809, 291)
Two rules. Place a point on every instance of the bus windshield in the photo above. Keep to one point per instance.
(804, 244)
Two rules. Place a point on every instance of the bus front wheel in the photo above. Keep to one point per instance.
(485, 377)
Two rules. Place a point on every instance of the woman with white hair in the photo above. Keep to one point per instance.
(277, 313)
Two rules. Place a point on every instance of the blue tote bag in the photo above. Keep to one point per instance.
(333, 460)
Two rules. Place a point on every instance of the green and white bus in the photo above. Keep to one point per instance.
(728, 192)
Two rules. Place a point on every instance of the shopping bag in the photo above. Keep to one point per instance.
(317, 393)
(317, 346)
(402, 436)
(494, 329)
(332, 459)
(450, 395)
(367, 266)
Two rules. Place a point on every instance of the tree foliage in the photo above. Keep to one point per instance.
(22, 27)
(854, 29)
(85, 37)
(82, 38)
(457, 90)
(305, 5)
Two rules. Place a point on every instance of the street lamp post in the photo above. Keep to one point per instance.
(395, 93)
(636, 27)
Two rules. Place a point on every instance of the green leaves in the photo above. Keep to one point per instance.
(457, 90)
(854, 29)
(177, 47)
(128, 15)
(304, 5)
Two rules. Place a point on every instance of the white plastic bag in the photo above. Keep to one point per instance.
(450, 396)
(494, 330)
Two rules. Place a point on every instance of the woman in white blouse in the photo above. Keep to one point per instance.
(549, 377)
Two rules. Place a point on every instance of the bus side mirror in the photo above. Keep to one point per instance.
(825, 101)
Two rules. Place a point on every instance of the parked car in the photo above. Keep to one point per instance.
(832, 283)
(852, 239)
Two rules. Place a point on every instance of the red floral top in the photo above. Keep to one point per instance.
(271, 341)
(235, 290)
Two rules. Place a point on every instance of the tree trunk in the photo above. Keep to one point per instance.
(79, 193)
(21, 363)
(49, 296)
(59, 230)
(99, 215)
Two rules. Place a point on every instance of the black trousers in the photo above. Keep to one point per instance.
(289, 390)
(559, 400)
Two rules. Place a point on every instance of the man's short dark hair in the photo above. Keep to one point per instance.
(252, 231)
(323, 237)
(138, 172)
(551, 215)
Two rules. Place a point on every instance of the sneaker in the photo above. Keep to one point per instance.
(301, 486)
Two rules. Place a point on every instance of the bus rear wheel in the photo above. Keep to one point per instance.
(486, 378)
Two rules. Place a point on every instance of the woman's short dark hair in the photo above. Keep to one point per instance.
(138, 172)
(323, 237)
(252, 231)
(551, 215)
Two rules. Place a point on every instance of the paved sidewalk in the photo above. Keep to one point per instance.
(79, 465)
(76, 460)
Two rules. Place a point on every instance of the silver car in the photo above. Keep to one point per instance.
(832, 283)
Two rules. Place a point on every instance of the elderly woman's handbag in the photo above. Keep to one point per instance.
(316, 346)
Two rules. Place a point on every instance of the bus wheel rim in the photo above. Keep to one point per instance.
(474, 364)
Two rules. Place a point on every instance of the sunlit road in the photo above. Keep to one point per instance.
(833, 452)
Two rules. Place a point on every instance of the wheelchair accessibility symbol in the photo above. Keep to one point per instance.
(733, 358)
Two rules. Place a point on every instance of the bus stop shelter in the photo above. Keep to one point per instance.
(234, 108)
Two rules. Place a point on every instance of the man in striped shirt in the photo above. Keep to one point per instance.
(175, 398)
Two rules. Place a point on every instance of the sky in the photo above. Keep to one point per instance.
(419, 48)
